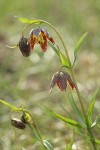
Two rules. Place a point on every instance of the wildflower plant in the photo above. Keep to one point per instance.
(61, 78)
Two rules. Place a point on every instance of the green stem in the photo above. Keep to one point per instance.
(77, 90)
(73, 77)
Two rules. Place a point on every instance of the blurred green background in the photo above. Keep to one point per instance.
(26, 81)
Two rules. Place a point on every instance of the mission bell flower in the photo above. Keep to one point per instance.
(24, 46)
(40, 36)
(61, 79)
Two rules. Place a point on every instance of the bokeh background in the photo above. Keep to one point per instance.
(26, 81)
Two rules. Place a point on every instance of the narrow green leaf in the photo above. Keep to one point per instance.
(79, 43)
(29, 21)
(76, 110)
(47, 144)
(96, 121)
(64, 60)
(54, 48)
(90, 108)
(11, 106)
(67, 120)
(34, 132)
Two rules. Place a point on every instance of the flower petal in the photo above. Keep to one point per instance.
(53, 82)
(32, 41)
(43, 42)
(69, 80)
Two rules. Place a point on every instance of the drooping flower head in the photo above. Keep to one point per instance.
(40, 36)
(24, 46)
(61, 79)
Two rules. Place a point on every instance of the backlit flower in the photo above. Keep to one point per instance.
(40, 36)
(61, 79)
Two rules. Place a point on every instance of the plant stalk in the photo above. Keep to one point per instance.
(77, 90)
(74, 80)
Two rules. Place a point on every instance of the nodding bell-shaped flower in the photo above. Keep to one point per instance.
(24, 46)
(18, 123)
(40, 36)
(61, 79)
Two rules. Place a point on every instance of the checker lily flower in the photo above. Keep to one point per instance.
(40, 36)
(61, 79)
(24, 46)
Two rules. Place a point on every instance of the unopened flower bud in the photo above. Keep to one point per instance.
(24, 46)
(18, 123)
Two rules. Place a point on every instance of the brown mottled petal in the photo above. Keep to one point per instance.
(32, 42)
(61, 82)
(51, 40)
(43, 42)
(53, 81)
(48, 36)
(71, 83)
(69, 80)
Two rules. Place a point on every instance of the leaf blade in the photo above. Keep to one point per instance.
(54, 48)
(64, 60)
(76, 110)
(28, 21)
(90, 108)
(67, 120)
(47, 144)
(80, 41)
(97, 120)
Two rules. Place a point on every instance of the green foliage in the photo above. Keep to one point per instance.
(76, 110)
(76, 24)
(63, 59)
(29, 21)
(79, 43)
(67, 120)
(54, 48)
(14, 108)
(47, 144)
(97, 120)
(91, 106)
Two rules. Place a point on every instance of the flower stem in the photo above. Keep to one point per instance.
(77, 90)
(73, 77)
